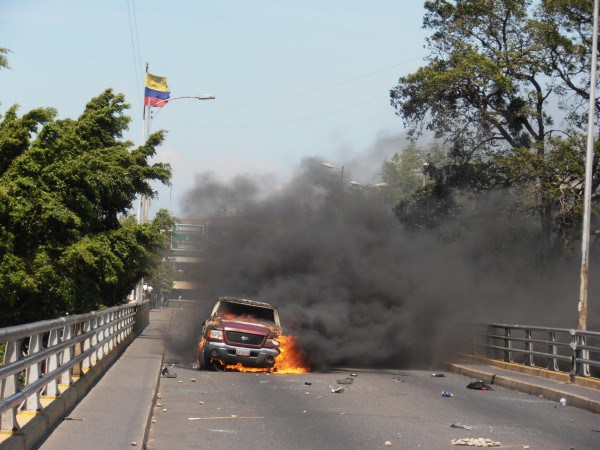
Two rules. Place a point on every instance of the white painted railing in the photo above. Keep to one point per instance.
(43, 359)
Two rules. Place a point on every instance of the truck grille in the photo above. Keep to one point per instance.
(244, 338)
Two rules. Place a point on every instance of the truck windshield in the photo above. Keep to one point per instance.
(247, 312)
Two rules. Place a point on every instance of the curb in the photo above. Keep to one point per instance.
(551, 393)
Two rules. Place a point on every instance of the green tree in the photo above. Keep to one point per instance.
(403, 172)
(3, 58)
(161, 276)
(64, 185)
(494, 79)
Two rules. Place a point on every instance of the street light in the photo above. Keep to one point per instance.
(582, 306)
(368, 188)
(143, 212)
(198, 97)
(331, 166)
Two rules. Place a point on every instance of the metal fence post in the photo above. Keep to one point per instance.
(529, 361)
(553, 350)
(583, 369)
(66, 356)
(9, 386)
(573, 346)
(507, 345)
(52, 364)
(32, 374)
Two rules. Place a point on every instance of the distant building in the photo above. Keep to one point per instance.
(194, 241)
(188, 256)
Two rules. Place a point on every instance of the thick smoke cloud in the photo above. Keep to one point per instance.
(359, 289)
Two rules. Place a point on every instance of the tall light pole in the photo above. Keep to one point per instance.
(368, 187)
(583, 369)
(144, 204)
(341, 169)
(585, 243)
(143, 207)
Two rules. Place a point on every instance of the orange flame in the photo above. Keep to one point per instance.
(239, 367)
(290, 360)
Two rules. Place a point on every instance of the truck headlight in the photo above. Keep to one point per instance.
(215, 335)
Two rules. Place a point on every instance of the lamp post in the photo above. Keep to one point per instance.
(143, 207)
(368, 187)
(341, 169)
(144, 204)
(331, 166)
(582, 306)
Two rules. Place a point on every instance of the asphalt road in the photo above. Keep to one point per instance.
(226, 410)
(405, 409)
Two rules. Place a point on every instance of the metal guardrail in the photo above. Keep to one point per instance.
(43, 359)
(560, 349)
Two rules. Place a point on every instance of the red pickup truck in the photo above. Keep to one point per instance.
(240, 331)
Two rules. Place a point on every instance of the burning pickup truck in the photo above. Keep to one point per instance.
(240, 331)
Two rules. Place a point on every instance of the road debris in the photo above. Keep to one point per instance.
(563, 401)
(479, 385)
(307, 393)
(75, 418)
(447, 394)
(353, 374)
(345, 381)
(193, 380)
(201, 403)
(460, 426)
(134, 444)
(336, 390)
(438, 375)
(223, 417)
(475, 442)
(388, 444)
(308, 383)
(397, 380)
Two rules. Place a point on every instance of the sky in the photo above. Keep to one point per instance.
(291, 79)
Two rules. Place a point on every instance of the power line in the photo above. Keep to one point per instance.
(321, 88)
(281, 122)
(138, 65)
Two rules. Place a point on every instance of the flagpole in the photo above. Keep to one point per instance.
(142, 216)
(144, 139)
(147, 124)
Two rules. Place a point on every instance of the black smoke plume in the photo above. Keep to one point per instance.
(355, 286)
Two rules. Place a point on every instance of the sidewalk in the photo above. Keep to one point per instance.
(585, 394)
(115, 412)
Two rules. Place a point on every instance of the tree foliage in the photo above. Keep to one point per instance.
(3, 58)
(64, 186)
(504, 88)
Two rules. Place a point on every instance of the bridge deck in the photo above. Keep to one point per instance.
(115, 413)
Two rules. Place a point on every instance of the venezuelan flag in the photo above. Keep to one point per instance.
(156, 92)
